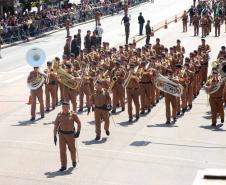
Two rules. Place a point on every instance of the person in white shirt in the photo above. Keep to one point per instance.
(99, 31)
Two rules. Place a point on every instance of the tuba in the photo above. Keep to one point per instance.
(168, 86)
(64, 77)
(35, 58)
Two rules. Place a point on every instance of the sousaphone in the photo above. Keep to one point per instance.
(35, 58)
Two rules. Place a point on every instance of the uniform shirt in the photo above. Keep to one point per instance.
(100, 98)
(32, 76)
(65, 122)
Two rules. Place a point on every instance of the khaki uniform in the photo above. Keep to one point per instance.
(118, 91)
(70, 94)
(132, 91)
(196, 22)
(145, 90)
(185, 22)
(216, 101)
(64, 125)
(100, 99)
(217, 25)
(50, 89)
(38, 93)
(204, 23)
(170, 100)
(85, 90)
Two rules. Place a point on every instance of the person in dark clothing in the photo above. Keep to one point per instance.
(79, 39)
(87, 41)
(74, 46)
(94, 40)
(141, 22)
(191, 12)
(67, 48)
(126, 20)
(148, 32)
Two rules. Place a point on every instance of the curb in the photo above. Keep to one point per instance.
(61, 29)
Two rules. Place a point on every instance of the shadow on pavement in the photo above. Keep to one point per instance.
(163, 125)
(216, 128)
(58, 173)
(140, 143)
(189, 146)
(91, 122)
(27, 122)
(93, 142)
(207, 117)
(50, 123)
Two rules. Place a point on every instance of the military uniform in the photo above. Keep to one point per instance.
(185, 22)
(64, 126)
(196, 22)
(216, 100)
(217, 25)
(50, 88)
(100, 101)
(38, 93)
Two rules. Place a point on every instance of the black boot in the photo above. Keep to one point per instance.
(63, 168)
(142, 112)
(222, 120)
(174, 120)
(149, 109)
(167, 122)
(123, 109)
(178, 113)
(113, 111)
(107, 132)
(74, 164)
(97, 138)
(137, 117)
(190, 106)
(42, 116)
(130, 119)
(80, 110)
(32, 119)
(47, 110)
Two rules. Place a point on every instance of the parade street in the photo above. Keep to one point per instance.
(146, 152)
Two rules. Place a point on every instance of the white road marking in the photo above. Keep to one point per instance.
(123, 152)
(14, 78)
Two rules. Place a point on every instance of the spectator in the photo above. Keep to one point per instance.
(100, 31)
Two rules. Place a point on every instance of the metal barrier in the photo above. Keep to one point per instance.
(11, 34)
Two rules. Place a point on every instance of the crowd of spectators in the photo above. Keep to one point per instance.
(22, 25)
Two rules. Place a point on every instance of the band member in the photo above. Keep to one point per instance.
(196, 23)
(70, 94)
(36, 93)
(132, 91)
(118, 91)
(216, 99)
(50, 86)
(158, 47)
(170, 100)
(204, 23)
(64, 126)
(145, 88)
(185, 21)
(217, 25)
(101, 103)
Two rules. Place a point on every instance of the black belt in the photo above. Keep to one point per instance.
(66, 132)
(100, 107)
(52, 83)
(145, 82)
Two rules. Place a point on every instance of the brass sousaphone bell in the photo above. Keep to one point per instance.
(35, 58)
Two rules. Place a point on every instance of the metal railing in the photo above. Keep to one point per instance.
(36, 28)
